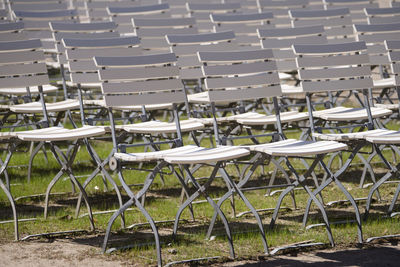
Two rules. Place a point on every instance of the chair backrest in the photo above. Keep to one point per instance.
(375, 35)
(383, 15)
(152, 31)
(123, 15)
(12, 31)
(244, 25)
(333, 67)
(281, 41)
(38, 5)
(393, 48)
(97, 10)
(22, 65)
(36, 23)
(356, 7)
(279, 9)
(80, 53)
(186, 47)
(202, 11)
(240, 75)
(337, 22)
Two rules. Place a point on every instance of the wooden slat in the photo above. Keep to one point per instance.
(235, 18)
(245, 81)
(329, 48)
(138, 9)
(11, 26)
(85, 78)
(371, 38)
(142, 86)
(392, 44)
(38, 6)
(286, 43)
(161, 32)
(192, 49)
(336, 85)
(331, 22)
(12, 36)
(334, 73)
(394, 56)
(10, 70)
(24, 81)
(332, 61)
(45, 15)
(384, 20)
(382, 11)
(244, 94)
(238, 69)
(101, 43)
(20, 45)
(21, 57)
(79, 54)
(82, 66)
(212, 7)
(75, 35)
(139, 73)
(282, 3)
(127, 18)
(136, 60)
(319, 13)
(200, 38)
(83, 27)
(365, 28)
(291, 32)
(145, 99)
(154, 43)
(235, 56)
(169, 22)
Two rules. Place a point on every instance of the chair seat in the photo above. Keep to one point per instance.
(298, 148)
(36, 107)
(286, 117)
(208, 155)
(61, 134)
(388, 106)
(291, 89)
(156, 155)
(350, 114)
(384, 83)
(160, 127)
(202, 98)
(348, 136)
(22, 91)
(50, 130)
(100, 102)
(285, 76)
(385, 137)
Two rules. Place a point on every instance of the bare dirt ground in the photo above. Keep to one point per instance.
(65, 252)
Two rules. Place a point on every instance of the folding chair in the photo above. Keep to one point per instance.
(22, 64)
(388, 138)
(153, 79)
(338, 67)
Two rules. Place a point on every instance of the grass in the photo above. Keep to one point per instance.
(163, 201)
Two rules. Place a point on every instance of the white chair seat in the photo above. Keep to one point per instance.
(388, 106)
(384, 83)
(160, 127)
(156, 155)
(348, 136)
(298, 148)
(22, 91)
(36, 107)
(350, 114)
(100, 102)
(288, 89)
(385, 137)
(285, 76)
(286, 117)
(208, 155)
(202, 98)
(61, 134)
(50, 130)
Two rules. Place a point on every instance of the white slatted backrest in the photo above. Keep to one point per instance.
(22, 64)
(280, 8)
(240, 75)
(140, 80)
(383, 15)
(356, 7)
(333, 67)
